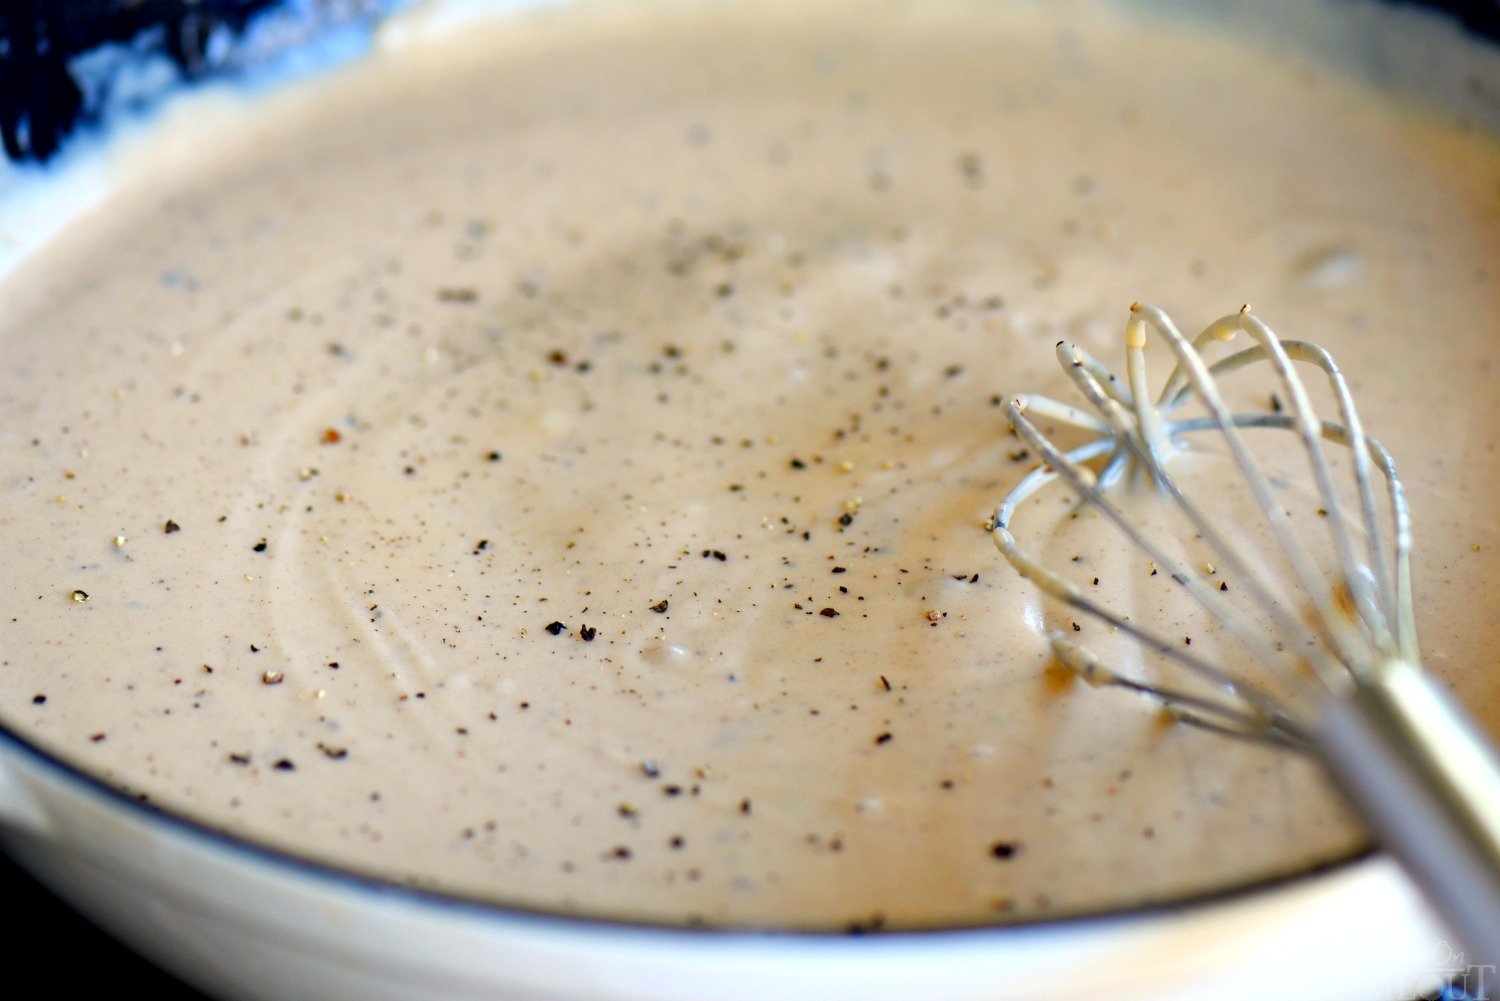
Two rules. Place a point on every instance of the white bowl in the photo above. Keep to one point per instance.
(242, 921)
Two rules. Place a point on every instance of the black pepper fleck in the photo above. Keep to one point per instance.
(1004, 849)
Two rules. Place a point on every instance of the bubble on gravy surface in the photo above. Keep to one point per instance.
(548, 467)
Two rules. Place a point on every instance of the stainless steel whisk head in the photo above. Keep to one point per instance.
(1360, 617)
(1345, 646)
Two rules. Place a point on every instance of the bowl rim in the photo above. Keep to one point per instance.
(259, 852)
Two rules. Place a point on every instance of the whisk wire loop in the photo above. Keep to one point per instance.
(1330, 622)
(1392, 569)
(1182, 705)
(1371, 617)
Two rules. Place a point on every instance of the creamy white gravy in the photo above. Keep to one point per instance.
(549, 467)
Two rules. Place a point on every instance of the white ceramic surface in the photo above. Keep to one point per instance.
(245, 924)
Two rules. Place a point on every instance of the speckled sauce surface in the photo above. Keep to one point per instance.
(549, 467)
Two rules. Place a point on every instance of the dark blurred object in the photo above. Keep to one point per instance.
(40, 98)
(67, 63)
(1482, 17)
(36, 928)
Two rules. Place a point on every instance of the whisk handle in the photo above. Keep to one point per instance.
(1428, 784)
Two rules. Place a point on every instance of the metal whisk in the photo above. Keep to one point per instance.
(1334, 671)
